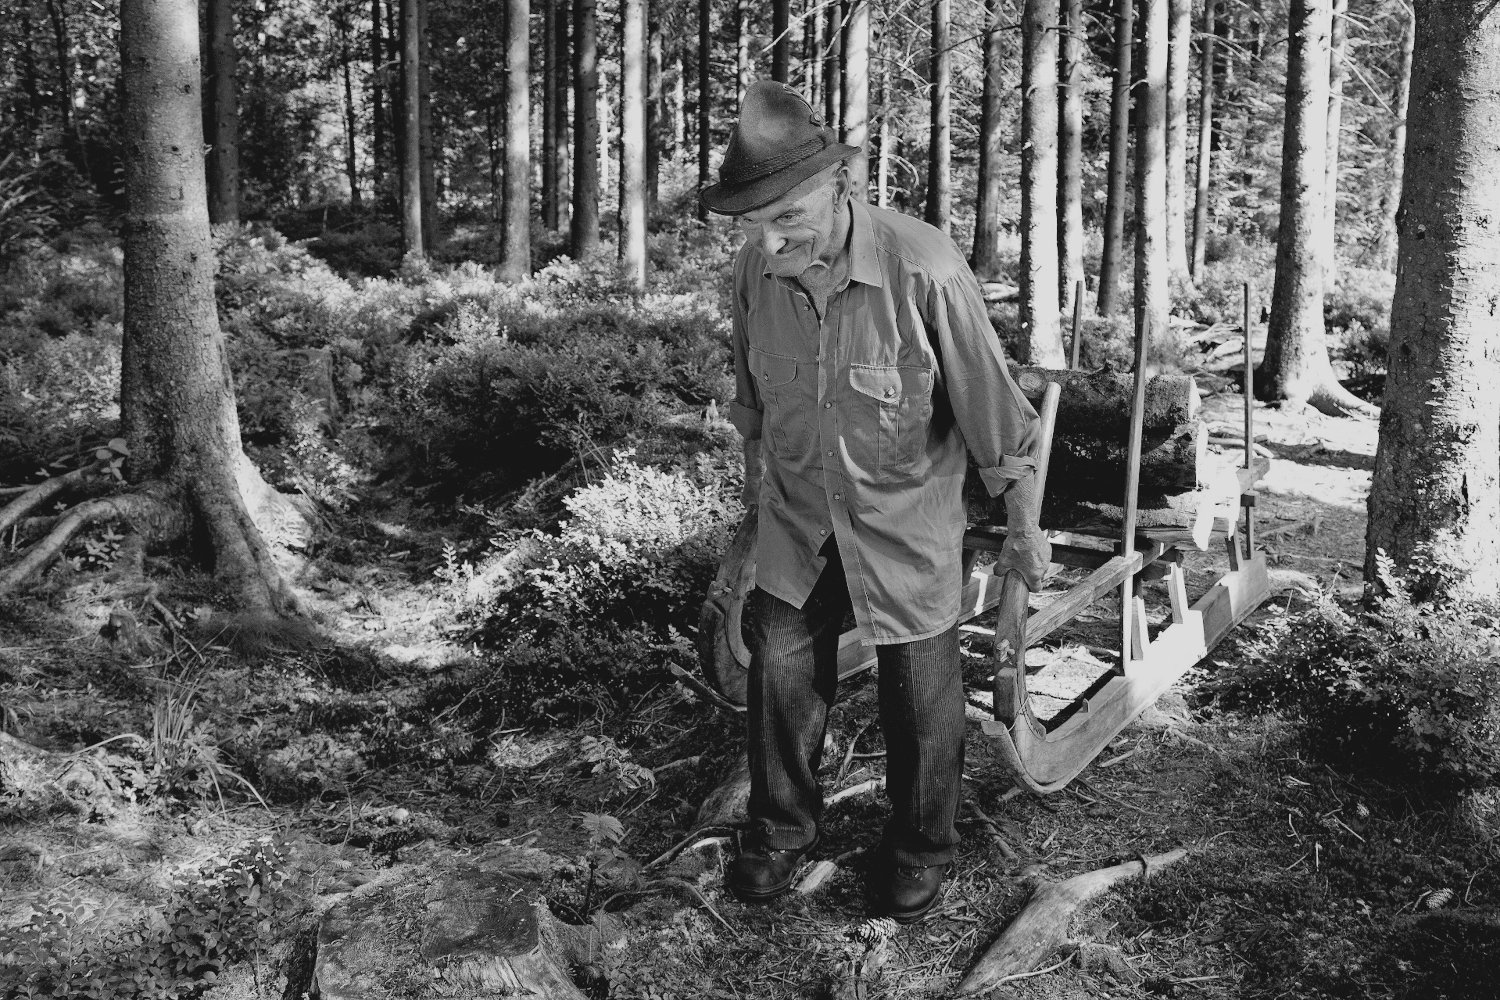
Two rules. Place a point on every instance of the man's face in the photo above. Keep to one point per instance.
(796, 232)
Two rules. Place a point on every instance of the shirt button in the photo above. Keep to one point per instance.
(889, 392)
(827, 405)
(822, 531)
(829, 454)
(838, 496)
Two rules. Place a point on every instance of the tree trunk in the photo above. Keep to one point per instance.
(654, 137)
(1337, 73)
(633, 142)
(411, 128)
(351, 116)
(223, 116)
(781, 41)
(939, 207)
(986, 256)
(833, 63)
(177, 407)
(1296, 369)
(64, 97)
(1112, 258)
(1039, 280)
(680, 127)
(426, 148)
(744, 73)
(585, 223)
(705, 96)
(550, 188)
(855, 104)
(1435, 495)
(1153, 293)
(1205, 141)
(1070, 156)
(30, 119)
(561, 88)
(812, 62)
(515, 237)
(1179, 56)
(1385, 250)
(603, 116)
(378, 140)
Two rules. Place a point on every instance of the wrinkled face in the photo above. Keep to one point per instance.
(796, 232)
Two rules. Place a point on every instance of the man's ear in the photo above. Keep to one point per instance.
(843, 185)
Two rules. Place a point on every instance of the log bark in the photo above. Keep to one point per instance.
(729, 803)
(1043, 925)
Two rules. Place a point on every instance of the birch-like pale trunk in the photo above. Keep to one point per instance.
(1039, 274)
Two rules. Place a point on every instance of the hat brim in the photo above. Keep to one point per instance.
(723, 199)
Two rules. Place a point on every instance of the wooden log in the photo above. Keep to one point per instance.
(1042, 927)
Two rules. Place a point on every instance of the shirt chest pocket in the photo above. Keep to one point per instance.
(890, 412)
(789, 392)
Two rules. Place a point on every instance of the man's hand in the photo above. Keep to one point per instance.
(1026, 549)
(751, 492)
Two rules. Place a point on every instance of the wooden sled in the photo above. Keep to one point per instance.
(1044, 755)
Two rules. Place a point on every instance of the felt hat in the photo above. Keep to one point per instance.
(778, 142)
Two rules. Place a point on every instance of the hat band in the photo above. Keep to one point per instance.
(775, 164)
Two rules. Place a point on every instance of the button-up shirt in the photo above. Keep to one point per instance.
(864, 416)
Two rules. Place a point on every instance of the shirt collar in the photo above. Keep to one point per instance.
(864, 264)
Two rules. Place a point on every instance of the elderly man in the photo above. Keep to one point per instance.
(865, 366)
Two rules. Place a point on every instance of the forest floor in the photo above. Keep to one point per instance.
(1300, 882)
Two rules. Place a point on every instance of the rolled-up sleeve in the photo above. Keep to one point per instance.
(745, 410)
(998, 423)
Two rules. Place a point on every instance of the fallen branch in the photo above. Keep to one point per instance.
(853, 791)
(993, 829)
(1042, 927)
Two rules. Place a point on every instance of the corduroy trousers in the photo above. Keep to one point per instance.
(793, 676)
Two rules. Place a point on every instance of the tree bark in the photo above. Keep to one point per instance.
(1338, 71)
(585, 223)
(561, 88)
(1179, 56)
(986, 256)
(177, 408)
(1153, 292)
(550, 187)
(222, 115)
(1385, 249)
(1039, 275)
(515, 237)
(781, 41)
(632, 248)
(855, 103)
(1112, 258)
(1435, 496)
(1205, 142)
(939, 205)
(1295, 368)
(705, 96)
(411, 129)
(812, 62)
(1070, 156)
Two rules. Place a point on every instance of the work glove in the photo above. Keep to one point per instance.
(753, 468)
(1026, 549)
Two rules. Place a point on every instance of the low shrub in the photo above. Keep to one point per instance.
(1357, 313)
(218, 915)
(599, 605)
(1406, 691)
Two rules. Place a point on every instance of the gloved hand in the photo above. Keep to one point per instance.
(1026, 549)
(750, 494)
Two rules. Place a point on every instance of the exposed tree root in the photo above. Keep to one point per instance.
(141, 507)
(1334, 400)
(31, 497)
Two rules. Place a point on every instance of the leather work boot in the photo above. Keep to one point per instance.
(911, 891)
(759, 874)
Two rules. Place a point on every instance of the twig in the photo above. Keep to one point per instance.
(1028, 975)
(679, 847)
(872, 785)
(705, 692)
(993, 830)
(849, 755)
